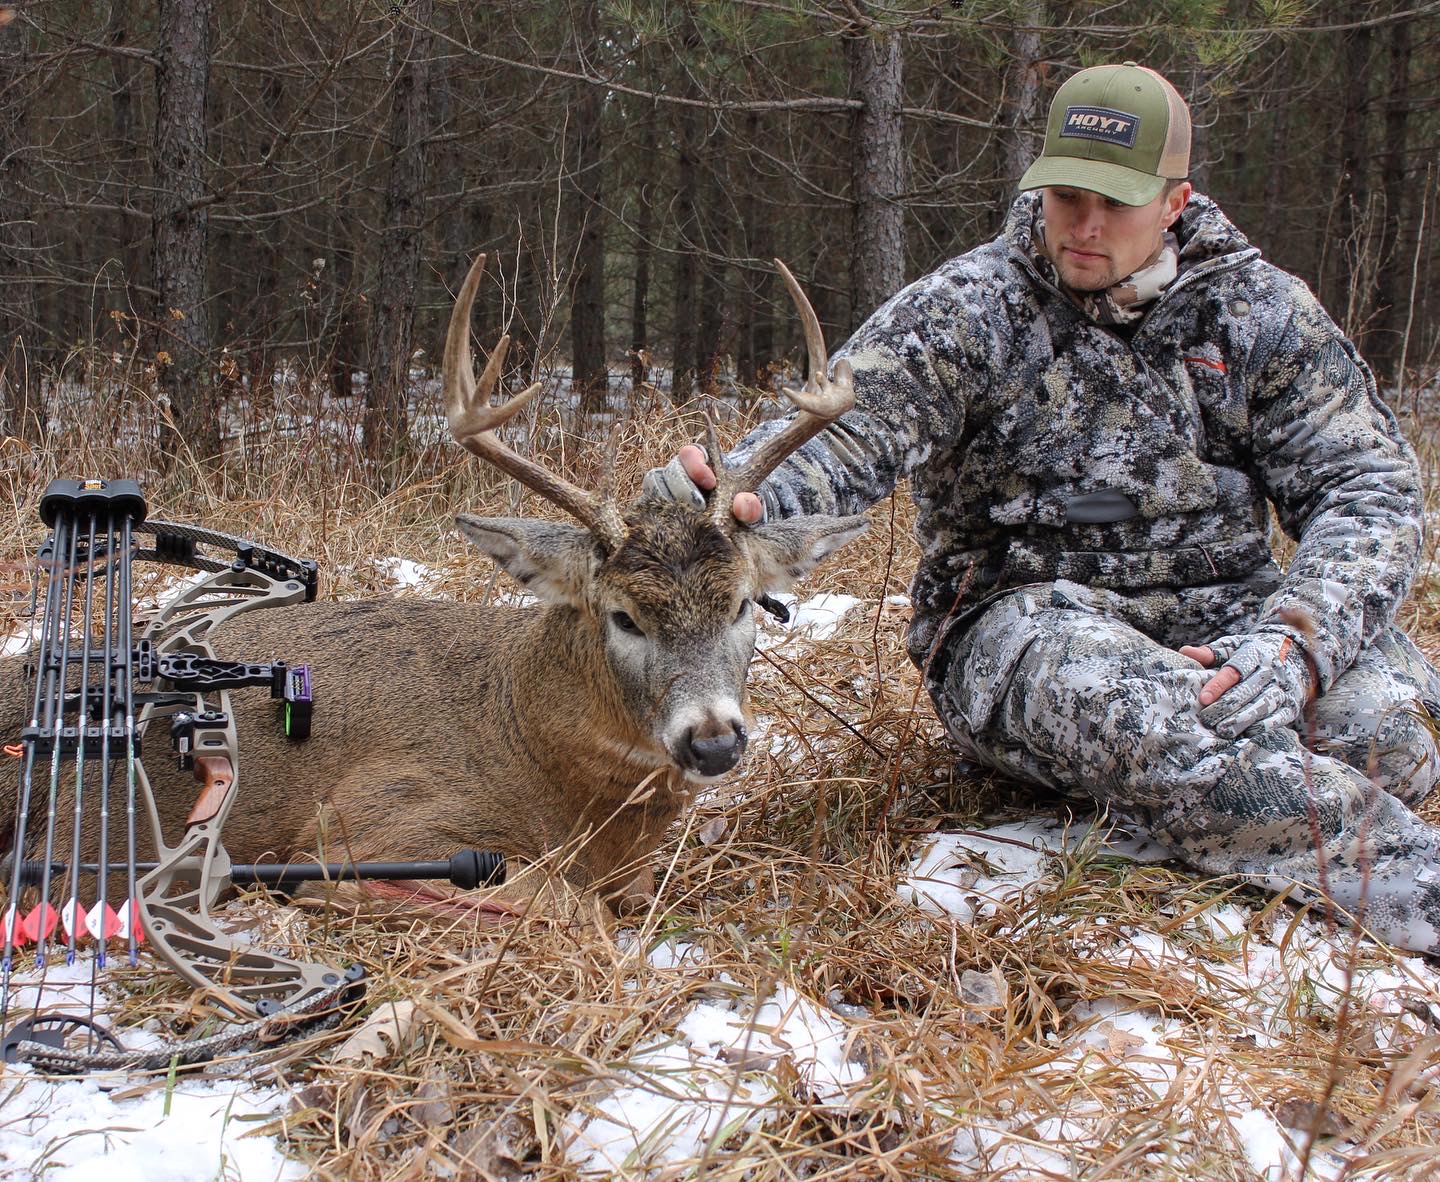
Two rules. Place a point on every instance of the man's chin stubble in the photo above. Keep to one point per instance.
(1090, 283)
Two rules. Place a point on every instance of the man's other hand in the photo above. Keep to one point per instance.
(1266, 677)
(688, 477)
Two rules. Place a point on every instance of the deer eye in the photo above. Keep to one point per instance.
(744, 607)
(626, 623)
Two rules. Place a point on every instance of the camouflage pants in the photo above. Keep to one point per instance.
(1050, 687)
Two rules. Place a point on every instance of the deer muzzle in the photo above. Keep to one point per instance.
(714, 749)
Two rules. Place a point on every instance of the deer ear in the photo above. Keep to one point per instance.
(554, 560)
(785, 551)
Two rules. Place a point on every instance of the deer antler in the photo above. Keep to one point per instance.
(473, 421)
(821, 401)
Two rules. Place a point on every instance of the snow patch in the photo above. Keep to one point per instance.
(405, 574)
(815, 619)
(676, 1096)
(970, 875)
(75, 1130)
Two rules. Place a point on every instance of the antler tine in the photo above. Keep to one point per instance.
(712, 437)
(820, 402)
(473, 421)
(610, 473)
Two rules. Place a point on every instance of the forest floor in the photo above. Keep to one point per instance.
(860, 962)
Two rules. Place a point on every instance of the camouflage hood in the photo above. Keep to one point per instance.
(1041, 445)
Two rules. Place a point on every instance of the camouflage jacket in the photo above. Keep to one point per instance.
(1042, 446)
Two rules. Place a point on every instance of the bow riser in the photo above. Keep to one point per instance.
(194, 872)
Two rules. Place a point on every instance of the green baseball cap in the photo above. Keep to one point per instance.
(1121, 131)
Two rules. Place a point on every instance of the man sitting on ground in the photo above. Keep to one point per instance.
(1096, 411)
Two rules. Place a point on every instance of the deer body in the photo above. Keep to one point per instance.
(393, 771)
(396, 767)
(569, 733)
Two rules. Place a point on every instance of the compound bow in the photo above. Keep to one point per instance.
(84, 737)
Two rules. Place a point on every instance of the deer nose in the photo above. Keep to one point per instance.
(713, 755)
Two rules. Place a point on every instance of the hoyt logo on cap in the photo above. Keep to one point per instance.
(1121, 131)
(1101, 123)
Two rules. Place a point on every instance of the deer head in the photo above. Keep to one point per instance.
(663, 594)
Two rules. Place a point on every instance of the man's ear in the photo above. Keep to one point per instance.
(1176, 201)
(554, 560)
(785, 551)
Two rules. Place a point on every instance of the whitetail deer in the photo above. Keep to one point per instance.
(577, 727)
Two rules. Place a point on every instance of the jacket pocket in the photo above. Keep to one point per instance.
(982, 660)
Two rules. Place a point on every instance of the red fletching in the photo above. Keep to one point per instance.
(130, 915)
(40, 923)
(103, 924)
(72, 919)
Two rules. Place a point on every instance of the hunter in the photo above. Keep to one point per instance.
(1096, 411)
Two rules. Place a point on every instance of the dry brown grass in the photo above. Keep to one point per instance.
(787, 877)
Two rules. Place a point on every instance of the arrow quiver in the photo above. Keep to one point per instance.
(98, 695)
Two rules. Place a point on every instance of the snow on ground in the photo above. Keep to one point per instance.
(815, 619)
(715, 1075)
(965, 875)
(405, 574)
(1155, 1052)
(83, 1129)
(969, 875)
(711, 1080)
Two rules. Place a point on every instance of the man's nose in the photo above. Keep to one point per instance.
(1090, 221)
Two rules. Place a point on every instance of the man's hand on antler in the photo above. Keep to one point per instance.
(688, 477)
(1265, 678)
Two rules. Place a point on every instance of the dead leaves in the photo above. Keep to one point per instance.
(385, 1033)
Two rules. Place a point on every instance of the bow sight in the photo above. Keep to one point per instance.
(98, 695)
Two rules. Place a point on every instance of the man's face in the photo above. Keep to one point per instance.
(1096, 241)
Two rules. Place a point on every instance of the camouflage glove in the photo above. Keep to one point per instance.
(1275, 683)
(671, 483)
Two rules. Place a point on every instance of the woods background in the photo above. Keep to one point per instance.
(195, 194)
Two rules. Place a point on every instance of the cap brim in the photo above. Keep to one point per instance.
(1098, 176)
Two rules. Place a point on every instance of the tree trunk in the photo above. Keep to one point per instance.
(687, 183)
(19, 387)
(269, 305)
(1273, 211)
(1021, 116)
(1392, 281)
(1202, 115)
(123, 150)
(122, 73)
(640, 297)
(586, 220)
(396, 289)
(1350, 287)
(877, 170)
(181, 220)
(755, 335)
(464, 221)
(716, 321)
(528, 317)
(342, 324)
